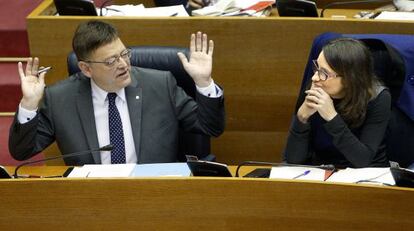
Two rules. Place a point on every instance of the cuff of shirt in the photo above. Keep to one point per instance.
(24, 115)
(212, 90)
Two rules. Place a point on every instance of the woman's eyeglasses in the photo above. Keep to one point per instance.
(322, 74)
(125, 55)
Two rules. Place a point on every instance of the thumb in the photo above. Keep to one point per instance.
(183, 58)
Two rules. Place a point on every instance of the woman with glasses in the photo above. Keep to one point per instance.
(344, 112)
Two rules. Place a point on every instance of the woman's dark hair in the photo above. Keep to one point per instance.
(353, 62)
(91, 35)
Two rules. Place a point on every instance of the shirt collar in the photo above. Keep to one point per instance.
(100, 95)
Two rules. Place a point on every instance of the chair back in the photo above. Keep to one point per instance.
(165, 58)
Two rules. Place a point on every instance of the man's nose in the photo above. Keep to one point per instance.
(122, 61)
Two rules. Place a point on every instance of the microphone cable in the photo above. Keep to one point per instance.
(108, 147)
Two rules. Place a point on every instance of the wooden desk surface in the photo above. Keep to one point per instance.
(192, 203)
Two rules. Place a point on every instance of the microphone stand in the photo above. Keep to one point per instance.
(258, 163)
(108, 147)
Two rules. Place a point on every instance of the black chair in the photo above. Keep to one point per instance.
(165, 58)
(394, 65)
(170, 2)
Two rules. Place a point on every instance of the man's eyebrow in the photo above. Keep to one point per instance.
(115, 55)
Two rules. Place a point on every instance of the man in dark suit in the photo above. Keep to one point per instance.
(137, 110)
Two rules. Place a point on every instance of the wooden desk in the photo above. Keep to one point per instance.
(199, 204)
(258, 61)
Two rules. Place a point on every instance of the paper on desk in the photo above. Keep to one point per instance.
(222, 6)
(243, 4)
(177, 10)
(353, 175)
(164, 169)
(395, 15)
(131, 170)
(140, 10)
(124, 10)
(287, 172)
(103, 170)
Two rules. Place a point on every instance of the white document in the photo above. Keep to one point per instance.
(124, 10)
(222, 6)
(140, 10)
(131, 170)
(302, 173)
(231, 8)
(163, 170)
(177, 10)
(102, 170)
(363, 175)
(243, 4)
(395, 15)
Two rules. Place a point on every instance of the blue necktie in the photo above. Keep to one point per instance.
(116, 133)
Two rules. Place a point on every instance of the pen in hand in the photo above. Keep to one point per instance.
(44, 69)
(302, 174)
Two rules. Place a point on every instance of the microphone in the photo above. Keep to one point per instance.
(349, 3)
(330, 167)
(108, 147)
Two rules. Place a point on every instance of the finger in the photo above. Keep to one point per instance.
(198, 41)
(204, 39)
(210, 48)
(314, 92)
(313, 99)
(35, 66)
(310, 92)
(42, 78)
(320, 91)
(182, 58)
(192, 43)
(311, 105)
(29, 66)
(20, 70)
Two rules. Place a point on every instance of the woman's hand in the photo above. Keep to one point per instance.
(319, 100)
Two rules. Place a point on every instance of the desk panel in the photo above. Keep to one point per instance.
(200, 203)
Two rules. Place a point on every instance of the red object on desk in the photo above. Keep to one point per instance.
(328, 173)
(259, 6)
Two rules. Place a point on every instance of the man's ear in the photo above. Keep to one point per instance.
(85, 68)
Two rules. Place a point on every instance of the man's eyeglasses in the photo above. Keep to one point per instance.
(323, 75)
(125, 55)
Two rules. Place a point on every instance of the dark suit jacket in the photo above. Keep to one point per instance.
(157, 109)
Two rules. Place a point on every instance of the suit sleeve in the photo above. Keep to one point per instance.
(28, 139)
(203, 115)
